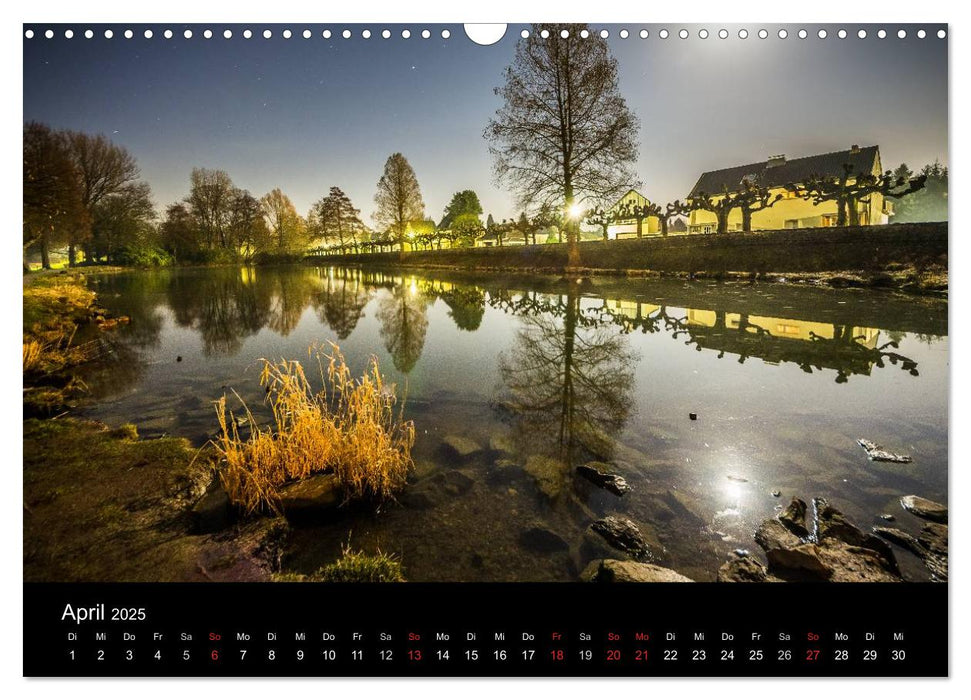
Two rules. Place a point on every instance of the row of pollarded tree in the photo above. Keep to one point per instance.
(848, 190)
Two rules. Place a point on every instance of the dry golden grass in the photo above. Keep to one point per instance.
(350, 428)
(32, 354)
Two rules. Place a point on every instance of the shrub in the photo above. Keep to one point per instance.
(349, 428)
(358, 567)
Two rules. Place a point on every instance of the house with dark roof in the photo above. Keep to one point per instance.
(790, 211)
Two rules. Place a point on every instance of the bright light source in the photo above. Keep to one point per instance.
(575, 211)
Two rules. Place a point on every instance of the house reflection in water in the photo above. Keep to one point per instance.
(812, 345)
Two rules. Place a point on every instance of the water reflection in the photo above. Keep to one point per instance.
(404, 322)
(567, 382)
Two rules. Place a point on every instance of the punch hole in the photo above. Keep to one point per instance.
(486, 34)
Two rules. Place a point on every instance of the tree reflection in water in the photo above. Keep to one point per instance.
(340, 304)
(567, 381)
(404, 323)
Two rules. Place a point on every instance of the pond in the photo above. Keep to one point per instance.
(545, 374)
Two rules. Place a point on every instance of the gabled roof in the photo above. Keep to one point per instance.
(797, 170)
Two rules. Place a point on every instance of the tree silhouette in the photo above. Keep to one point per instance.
(398, 198)
(104, 170)
(564, 133)
(51, 191)
(335, 218)
(602, 218)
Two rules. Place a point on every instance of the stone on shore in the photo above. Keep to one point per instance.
(548, 473)
(213, 512)
(743, 569)
(617, 571)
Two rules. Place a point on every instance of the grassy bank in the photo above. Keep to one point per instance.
(912, 256)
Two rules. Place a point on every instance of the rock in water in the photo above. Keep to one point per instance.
(460, 447)
(542, 539)
(876, 453)
(842, 553)
(931, 546)
(316, 497)
(924, 508)
(548, 473)
(622, 534)
(794, 518)
(597, 474)
(616, 571)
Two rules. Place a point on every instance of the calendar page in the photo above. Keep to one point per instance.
(551, 350)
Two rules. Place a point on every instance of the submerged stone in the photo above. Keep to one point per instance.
(460, 447)
(541, 539)
(314, 497)
(548, 473)
(213, 512)
(598, 474)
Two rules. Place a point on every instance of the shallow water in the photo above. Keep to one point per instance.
(783, 381)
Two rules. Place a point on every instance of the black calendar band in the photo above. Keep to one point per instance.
(546, 630)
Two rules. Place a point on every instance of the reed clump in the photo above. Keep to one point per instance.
(351, 428)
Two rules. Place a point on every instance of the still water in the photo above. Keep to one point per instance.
(546, 374)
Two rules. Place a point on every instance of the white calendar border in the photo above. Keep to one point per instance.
(891, 11)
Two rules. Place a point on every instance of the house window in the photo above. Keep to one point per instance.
(792, 223)
(828, 220)
(707, 228)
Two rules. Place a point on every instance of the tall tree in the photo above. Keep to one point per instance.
(564, 133)
(247, 230)
(178, 231)
(601, 218)
(209, 200)
(463, 203)
(335, 218)
(287, 227)
(53, 209)
(104, 170)
(398, 198)
(119, 219)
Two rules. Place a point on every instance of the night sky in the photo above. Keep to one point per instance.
(306, 114)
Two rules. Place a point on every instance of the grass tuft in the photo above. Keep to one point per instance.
(349, 428)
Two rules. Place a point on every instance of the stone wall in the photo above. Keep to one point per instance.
(795, 250)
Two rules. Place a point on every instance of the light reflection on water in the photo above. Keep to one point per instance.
(783, 381)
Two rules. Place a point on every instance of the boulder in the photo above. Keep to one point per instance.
(600, 475)
(460, 448)
(924, 508)
(794, 518)
(742, 569)
(772, 534)
(317, 496)
(834, 525)
(454, 482)
(213, 512)
(931, 546)
(803, 559)
(624, 535)
(541, 539)
(617, 571)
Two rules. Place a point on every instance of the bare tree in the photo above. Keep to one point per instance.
(286, 225)
(398, 198)
(104, 169)
(564, 133)
(52, 192)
